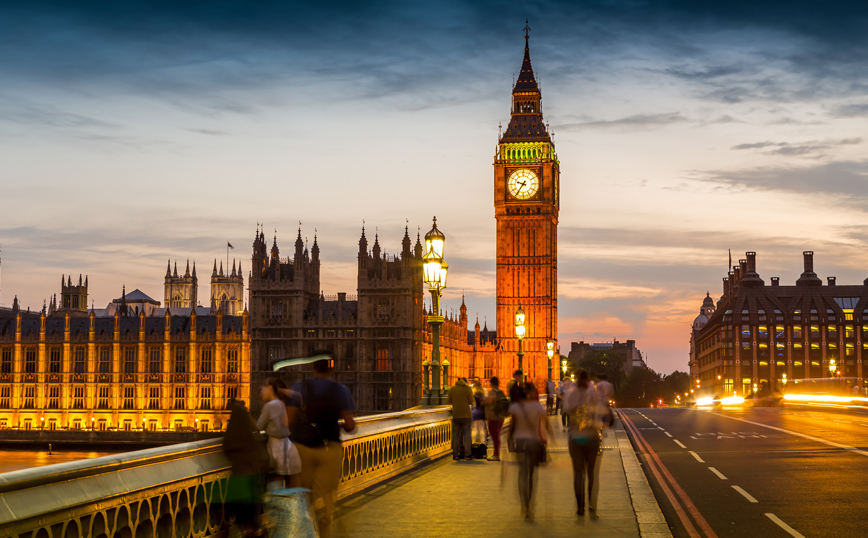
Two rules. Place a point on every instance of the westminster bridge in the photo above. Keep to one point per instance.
(396, 482)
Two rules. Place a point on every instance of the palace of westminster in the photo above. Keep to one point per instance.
(137, 365)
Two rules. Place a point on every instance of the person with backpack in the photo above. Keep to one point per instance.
(496, 410)
(529, 434)
(460, 397)
(317, 404)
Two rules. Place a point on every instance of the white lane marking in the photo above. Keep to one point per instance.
(718, 473)
(667, 433)
(802, 435)
(677, 442)
(695, 455)
(793, 532)
(659, 427)
(745, 494)
(692, 437)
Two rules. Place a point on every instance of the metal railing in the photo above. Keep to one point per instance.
(180, 490)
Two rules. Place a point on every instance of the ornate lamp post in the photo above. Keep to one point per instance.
(833, 367)
(434, 273)
(519, 333)
(550, 351)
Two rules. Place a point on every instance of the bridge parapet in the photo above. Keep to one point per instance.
(179, 490)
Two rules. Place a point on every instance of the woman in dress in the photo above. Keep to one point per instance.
(529, 435)
(478, 412)
(285, 463)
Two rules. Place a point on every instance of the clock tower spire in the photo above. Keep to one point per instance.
(526, 204)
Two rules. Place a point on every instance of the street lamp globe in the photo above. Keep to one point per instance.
(519, 323)
(435, 241)
(550, 348)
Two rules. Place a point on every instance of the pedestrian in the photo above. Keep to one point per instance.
(282, 454)
(550, 396)
(478, 412)
(248, 458)
(559, 396)
(528, 434)
(496, 411)
(607, 392)
(317, 405)
(584, 406)
(460, 397)
(515, 387)
(566, 386)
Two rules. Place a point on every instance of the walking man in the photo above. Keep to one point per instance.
(515, 388)
(460, 397)
(316, 406)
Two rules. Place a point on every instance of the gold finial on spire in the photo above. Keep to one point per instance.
(526, 30)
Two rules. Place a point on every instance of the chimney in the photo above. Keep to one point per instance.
(342, 296)
(809, 277)
(750, 276)
(725, 285)
(776, 281)
(831, 280)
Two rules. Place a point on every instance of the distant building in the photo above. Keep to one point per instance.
(627, 350)
(758, 333)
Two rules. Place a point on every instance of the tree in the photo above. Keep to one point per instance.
(604, 362)
(676, 383)
(642, 387)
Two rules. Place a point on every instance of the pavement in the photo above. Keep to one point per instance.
(480, 499)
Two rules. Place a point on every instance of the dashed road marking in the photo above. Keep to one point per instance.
(667, 433)
(745, 494)
(695, 455)
(677, 442)
(718, 473)
(793, 532)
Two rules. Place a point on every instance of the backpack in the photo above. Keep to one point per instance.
(501, 404)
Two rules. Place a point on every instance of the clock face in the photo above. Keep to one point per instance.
(522, 184)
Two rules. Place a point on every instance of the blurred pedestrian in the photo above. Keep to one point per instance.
(460, 397)
(248, 458)
(550, 396)
(528, 434)
(515, 387)
(496, 411)
(606, 391)
(317, 407)
(283, 456)
(585, 409)
(478, 412)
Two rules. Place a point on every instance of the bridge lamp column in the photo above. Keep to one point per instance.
(434, 270)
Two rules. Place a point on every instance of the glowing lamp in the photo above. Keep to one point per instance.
(435, 241)
(550, 348)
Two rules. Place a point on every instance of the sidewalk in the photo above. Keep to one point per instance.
(480, 499)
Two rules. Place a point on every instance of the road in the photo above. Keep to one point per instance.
(766, 471)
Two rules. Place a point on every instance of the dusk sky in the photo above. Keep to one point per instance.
(136, 132)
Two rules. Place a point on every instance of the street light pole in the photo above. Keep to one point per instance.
(550, 351)
(434, 274)
(519, 333)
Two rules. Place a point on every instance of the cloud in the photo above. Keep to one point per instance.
(636, 121)
(851, 111)
(813, 148)
(845, 180)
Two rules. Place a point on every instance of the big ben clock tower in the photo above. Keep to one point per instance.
(526, 189)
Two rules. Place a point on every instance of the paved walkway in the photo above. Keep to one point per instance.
(480, 499)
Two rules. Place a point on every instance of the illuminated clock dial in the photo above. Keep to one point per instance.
(522, 184)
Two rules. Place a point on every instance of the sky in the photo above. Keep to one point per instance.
(132, 133)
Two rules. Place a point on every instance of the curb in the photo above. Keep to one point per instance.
(650, 518)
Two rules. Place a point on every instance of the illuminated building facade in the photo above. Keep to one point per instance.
(757, 334)
(526, 204)
(122, 372)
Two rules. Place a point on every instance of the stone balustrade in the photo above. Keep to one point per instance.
(179, 490)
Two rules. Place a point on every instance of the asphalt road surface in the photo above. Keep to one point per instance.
(766, 471)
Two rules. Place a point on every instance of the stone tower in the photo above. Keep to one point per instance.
(180, 291)
(227, 290)
(526, 203)
(73, 299)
